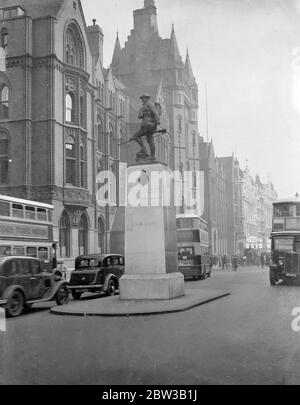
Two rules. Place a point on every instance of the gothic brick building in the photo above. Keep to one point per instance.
(62, 116)
(150, 63)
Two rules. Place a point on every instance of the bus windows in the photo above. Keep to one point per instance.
(42, 214)
(31, 251)
(19, 250)
(17, 211)
(29, 212)
(4, 208)
(5, 250)
(297, 245)
(283, 244)
(43, 253)
(282, 210)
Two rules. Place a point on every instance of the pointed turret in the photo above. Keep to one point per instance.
(188, 67)
(174, 54)
(117, 52)
(149, 3)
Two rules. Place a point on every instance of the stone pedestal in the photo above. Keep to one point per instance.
(151, 268)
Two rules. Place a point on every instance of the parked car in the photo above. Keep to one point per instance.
(96, 273)
(25, 281)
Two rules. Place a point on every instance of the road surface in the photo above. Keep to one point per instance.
(245, 338)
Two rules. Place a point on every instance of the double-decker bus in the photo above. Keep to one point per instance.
(285, 241)
(193, 246)
(25, 228)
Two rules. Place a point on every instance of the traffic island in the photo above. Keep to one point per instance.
(113, 306)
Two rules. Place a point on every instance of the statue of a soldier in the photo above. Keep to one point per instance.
(150, 120)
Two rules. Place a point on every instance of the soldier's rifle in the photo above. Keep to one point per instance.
(159, 132)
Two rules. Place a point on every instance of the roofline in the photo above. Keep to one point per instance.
(287, 200)
(190, 216)
(28, 202)
(284, 233)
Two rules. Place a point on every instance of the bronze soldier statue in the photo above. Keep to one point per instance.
(150, 120)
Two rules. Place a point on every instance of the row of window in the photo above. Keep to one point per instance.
(4, 102)
(4, 38)
(11, 12)
(8, 209)
(76, 171)
(287, 210)
(41, 252)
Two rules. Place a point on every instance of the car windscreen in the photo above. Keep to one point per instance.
(283, 243)
(87, 263)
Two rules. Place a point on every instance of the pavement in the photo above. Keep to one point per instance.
(244, 338)
(114, 306)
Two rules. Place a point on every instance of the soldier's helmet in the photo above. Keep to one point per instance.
(145, 95)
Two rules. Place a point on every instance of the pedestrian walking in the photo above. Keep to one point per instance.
(234, 262)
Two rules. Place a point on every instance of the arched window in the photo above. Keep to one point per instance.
(179, 118)
(111, 141)
(82, 163)
(101, 236)
(74, 51)
(82, 111)
(102, 92)
(123, 147)
(194, 137)
(64, 235)
(4, 39)
(70, 161)
(101, 145)
(4, 101)
(83, 235)
(4, 159)
(69, 108)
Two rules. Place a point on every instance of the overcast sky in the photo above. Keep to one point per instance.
(247, 52)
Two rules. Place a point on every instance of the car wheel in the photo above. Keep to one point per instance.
(76, 295)
(111, 288)
(62, 295)
(15, 304)
(273, 278)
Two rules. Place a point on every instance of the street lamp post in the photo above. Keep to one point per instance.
(54, 259)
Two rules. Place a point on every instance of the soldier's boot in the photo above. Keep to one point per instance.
(143, 150)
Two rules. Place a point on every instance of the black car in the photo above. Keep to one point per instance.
(25, 281)
(96, 273)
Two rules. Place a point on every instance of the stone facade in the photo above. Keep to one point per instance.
(64, 119)
(256, 200)
(215, 202)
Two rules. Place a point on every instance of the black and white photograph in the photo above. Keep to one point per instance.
(149, 195)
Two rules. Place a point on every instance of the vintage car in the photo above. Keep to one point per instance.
(96, 273)
(25, 281)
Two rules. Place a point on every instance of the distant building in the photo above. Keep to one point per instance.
(256, 212)
(216, 205)
(62, 116)
(232, 196)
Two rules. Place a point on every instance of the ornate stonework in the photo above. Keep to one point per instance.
(70, 84)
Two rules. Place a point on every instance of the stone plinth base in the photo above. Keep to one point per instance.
(151, 286)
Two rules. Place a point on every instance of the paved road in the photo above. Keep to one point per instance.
(245, 338)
